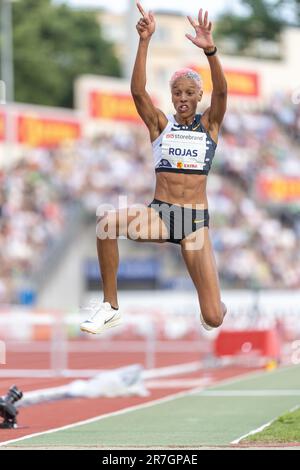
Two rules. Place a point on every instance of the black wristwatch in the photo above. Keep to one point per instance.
(212, 52)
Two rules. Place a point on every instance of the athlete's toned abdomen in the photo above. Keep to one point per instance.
(181, 188)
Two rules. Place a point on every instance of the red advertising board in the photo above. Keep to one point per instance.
(278, 189)
(39, 131)
(240, 83)
(114, 106)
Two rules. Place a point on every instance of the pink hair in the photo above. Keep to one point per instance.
(187, 73)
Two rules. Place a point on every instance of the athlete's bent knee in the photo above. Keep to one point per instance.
(215, 319)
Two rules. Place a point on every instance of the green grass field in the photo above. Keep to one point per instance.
(285, 429)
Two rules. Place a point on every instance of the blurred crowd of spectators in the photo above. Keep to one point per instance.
(285, 107)
(38, 192)
(256, 245)
(31, 218)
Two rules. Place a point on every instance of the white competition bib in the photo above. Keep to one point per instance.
(184, 149)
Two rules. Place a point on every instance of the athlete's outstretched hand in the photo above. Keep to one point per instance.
(203, 28)
(146, 25)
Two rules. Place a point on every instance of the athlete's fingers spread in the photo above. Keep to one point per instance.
(205, 18)
(193, 23)
(200, 16)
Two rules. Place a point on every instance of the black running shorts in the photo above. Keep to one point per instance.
(180, 221)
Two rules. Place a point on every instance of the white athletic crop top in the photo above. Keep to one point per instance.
(184, 149)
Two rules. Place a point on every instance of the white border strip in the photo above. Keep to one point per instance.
(254, 431)
(261, 428)
(87, 373)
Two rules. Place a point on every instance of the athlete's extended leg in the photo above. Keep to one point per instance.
(108, 258)
(146, 226)
(202, 268)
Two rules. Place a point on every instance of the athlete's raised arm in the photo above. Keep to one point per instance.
(204, 40)
(154, 119)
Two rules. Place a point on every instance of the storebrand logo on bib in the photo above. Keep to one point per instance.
(189, 136)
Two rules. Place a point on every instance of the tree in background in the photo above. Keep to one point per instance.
(53, 44)
(262, 20)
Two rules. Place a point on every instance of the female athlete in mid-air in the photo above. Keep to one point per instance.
(183, 146)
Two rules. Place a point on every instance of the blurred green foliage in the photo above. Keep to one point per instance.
(53, 44)
(259, 20)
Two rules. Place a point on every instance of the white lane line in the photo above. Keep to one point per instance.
(250, 393)
(176, 369)
(178, 383)
(261, 428)
(254, 431)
